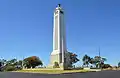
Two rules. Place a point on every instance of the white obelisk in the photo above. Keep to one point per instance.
(59, 53)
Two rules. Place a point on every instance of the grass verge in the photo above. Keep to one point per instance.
(53, 71)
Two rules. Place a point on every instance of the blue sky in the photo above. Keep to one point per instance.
(26, 28)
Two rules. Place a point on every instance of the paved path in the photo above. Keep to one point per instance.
(102, 74)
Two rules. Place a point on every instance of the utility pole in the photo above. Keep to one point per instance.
(100, 59)
(23, 63)
(99, 51)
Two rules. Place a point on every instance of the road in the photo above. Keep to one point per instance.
(102, 74)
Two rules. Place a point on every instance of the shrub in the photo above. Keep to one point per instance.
(106, 66)
(10, 68)
(56, 65)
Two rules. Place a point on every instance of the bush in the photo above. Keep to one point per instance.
(106, 66)
(10, 68)
(56, 65)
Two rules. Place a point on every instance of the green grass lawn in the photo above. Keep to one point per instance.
(52, 71)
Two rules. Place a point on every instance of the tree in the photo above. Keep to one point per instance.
(73, 58)
(26, 64)
(99, 61)
(11, 62)
(86, 60)
(32, 61)
(92, 61)
(119, 64)
(19, 62)
(3, 62)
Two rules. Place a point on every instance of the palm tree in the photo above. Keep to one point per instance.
(86, 60)
(12, 62)
(3, 61)
(99, 61)
(103, 59)
(92, 61)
